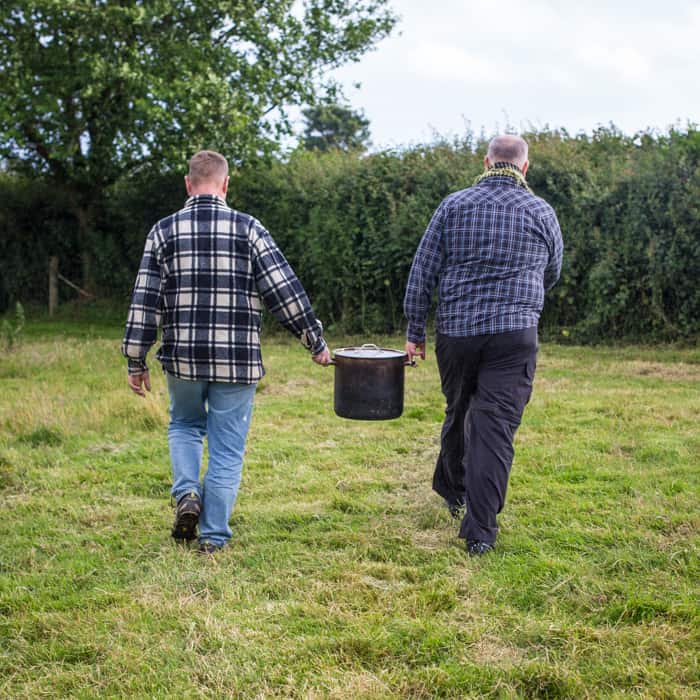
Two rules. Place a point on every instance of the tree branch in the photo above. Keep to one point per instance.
(42, 150)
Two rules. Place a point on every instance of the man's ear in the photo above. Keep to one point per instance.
(526, 165)
(224, 187)
(188, 186)
(487, 165)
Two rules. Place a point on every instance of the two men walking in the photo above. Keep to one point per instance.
(491, 250)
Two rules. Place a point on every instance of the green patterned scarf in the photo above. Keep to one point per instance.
(507, 170)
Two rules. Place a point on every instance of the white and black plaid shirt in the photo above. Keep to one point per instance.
(493, 250)
(203, 274)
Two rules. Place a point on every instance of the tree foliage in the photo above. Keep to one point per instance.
(94, 90)
(329, 126)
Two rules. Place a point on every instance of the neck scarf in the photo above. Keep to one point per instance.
(507, 170)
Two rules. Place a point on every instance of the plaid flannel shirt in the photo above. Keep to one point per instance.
(492, 250)
(204, 271)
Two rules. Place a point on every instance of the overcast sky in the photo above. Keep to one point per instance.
(565, 64)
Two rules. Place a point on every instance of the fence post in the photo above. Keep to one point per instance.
(53, 284)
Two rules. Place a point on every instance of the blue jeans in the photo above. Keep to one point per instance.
(222, 412)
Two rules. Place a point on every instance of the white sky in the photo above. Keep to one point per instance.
(572, 64)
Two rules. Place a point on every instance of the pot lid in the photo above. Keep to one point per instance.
(368, 352)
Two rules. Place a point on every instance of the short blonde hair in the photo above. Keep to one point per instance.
(207, 166)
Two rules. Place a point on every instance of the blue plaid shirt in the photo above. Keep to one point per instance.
(205, 273)
(492, 250)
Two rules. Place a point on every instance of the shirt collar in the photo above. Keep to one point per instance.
(198, 200)
(499, 181)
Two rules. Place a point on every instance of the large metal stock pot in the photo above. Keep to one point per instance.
(369, 382)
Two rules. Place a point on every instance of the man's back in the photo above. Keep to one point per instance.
(210, 304)
(493, 249)
(497, 243)
(206, 272)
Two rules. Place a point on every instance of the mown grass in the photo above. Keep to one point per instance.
(345, 578)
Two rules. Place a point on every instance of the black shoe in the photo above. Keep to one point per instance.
(186, 517)
(210, 548)
(457, 507)
(477, 548)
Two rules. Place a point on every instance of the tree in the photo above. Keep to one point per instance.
(335, 126)
(92, 91)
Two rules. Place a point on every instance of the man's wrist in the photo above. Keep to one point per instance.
(415, 334)
(319, 346)
(136, 366)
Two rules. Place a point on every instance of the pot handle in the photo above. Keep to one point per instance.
(411, 362)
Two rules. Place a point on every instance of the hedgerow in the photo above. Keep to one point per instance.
(629, 208)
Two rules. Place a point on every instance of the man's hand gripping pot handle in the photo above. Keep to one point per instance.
(323, 357)
(414, 350)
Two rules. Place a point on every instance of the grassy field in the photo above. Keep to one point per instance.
(345, 578)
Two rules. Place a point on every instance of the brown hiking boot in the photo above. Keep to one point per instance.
(187, 517)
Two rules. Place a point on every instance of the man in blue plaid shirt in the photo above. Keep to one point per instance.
(492, 250)
(205, 273)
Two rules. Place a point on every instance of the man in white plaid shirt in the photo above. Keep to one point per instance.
(205, 273)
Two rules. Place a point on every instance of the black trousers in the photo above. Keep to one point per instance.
(487, 382)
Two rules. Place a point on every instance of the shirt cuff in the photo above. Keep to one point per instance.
(415, 333)
(312, 338)
(319, 346)
(137, 366)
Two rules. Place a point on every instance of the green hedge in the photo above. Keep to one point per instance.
(351, 226)
(629, 209)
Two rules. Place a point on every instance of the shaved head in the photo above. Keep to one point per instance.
(207, 167)
(508, 149)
